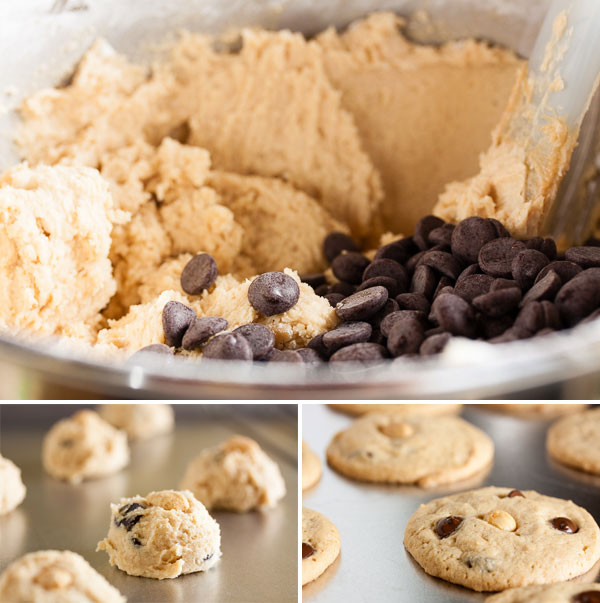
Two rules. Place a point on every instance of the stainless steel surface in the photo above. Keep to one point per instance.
(44, 40)
(259, 562)
(373, 565)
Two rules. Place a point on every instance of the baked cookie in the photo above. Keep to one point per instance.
(84, 446)
(536, 411)
(12, 489)
(237, 475)
(162, 535)
(407, 410)
(320, 544)
(424, 451)
(567, 592)
(55, 577)
(311, 467)
(575, 441)
(139, 421)
(497, 538)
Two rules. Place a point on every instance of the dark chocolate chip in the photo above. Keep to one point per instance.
(362, 304)
(424, 281)
(349, 267)
(228, 346)
(128, 521)
(334, 299)
(411, 315)
(472, 286)
(390, 306)
(389, 268)
(413, 301)
(309, 356)
(498, 303)
(128, 508)
(136, 541)
(260, 338)
(468, 271)
(313, 280)
(422, 229)
(273, 293)
(470, 236)
(593, 316)
(500, 230)
(444, 286)
(362, 353)
(316, 343)
(564, 524)
(199, 274)
(455, 315)
(399, 251)
(447, 526)
(405, 337)
(494, 327)
(443, 262)
(434, 344)
(551, 315)
(512, 334)
(382, 281)
(442, 235)
(565, 270)
(201, 330)
(588, 596)
(495, 257)
(504, 283)
(586, 257)
(534, 243)
(579, 297)
(307, 550)
(284, 356)
(176, 318)
(548, 248)
(345, 289)
(322, 290)
(531, 317)
(335, 243)
(545, 288)
(526, 265)
(514, 493)
(347, 334)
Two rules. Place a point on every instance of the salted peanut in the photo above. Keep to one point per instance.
(502, 520)
(397, 430)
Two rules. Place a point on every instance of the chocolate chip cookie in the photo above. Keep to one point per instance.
(569, 592)
(311, 467)
(497, 538)
(320, 544)
(426, 451)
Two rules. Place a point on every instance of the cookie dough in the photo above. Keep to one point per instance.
(162, 535)
(497, 538)
(320, 544)
(568, 592)
(575, 441)
(533, 411)
(236, 476)
(139, 421)
(423, 451)
(84, 446)
(406, 410)
(55, 577)
(12, 489)
(311, 467)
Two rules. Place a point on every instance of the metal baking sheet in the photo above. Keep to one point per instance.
(260, 549)
(373, 564)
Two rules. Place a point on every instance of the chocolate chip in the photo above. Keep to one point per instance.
(284, 356)
(405, 337)
(316, 343)
(545, 288)
(228, 346)
(514, 493)
(260, 338)
(548, 248)
(534, 243)
(531, 317)
(512, 334)
(382, 281)
(498, 303)
(347, 334)
(349, 267)
(201, 330)
(526, 265)
(322, 290)
(448, 525)
(389, 268)
(500, 230)
(390, 306)
(495, 257)
(442, 235)
(136, 541)
(154, 348)
(422, 229)
(586, 257)
(391, 319)
(199, 274)
(362, 353)
(442, 262)
(128, 521)
(273, 293)
(176, 318)
(565, 270)
(472, 286)
(313, 280)
(307, 550)
(309, 356)
(334, 299)
(455, 315)
(399, 251)
(128, 508)
(589, 596)
(412, 262)
(362, 304)
(564, 524)
(551, 315)
(444, 286)
(335, 243)
(413, 301)
(424, 281)
(470, 236)
(494, 327)
(504, 283)
(345, 289)
(209, 556)
(434, 344)
(579, 297)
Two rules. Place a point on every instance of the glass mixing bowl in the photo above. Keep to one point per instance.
(42, 40)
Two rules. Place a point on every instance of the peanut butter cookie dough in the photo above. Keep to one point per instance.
(12, 489)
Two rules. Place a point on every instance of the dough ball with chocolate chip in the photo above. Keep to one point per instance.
(139, 421)
(237, 475)
(162, 535)
(84, 446)
(320, 544)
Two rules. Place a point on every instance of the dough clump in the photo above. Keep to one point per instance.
(12, 489)
(139, 421)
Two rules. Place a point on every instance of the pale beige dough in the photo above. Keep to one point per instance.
(405, 410)
(554, 593)
(84, 446)
(12, 489)
(55, 577)
(162, 535)
(311, 467)
(139, 421)
(237, 475)
(324, 538)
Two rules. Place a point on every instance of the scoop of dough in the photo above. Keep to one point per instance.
(236, 476)
(84, 446)
(55, 226)
(139, 421)
(55, 577)
(162, 535)
(12, 489)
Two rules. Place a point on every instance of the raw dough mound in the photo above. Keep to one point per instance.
(12, 490)
(162, 535)
(55, 226)
(84, 446)
(55, 577)
(139, 421)
(236, 476)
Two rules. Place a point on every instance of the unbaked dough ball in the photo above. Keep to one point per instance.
(236, 475)
(163, 535)
(139, 421)
(55, 577)
(84, 446)
(12, 489)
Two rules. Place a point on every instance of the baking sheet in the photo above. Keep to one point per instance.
(260, 549)
(373, 564)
